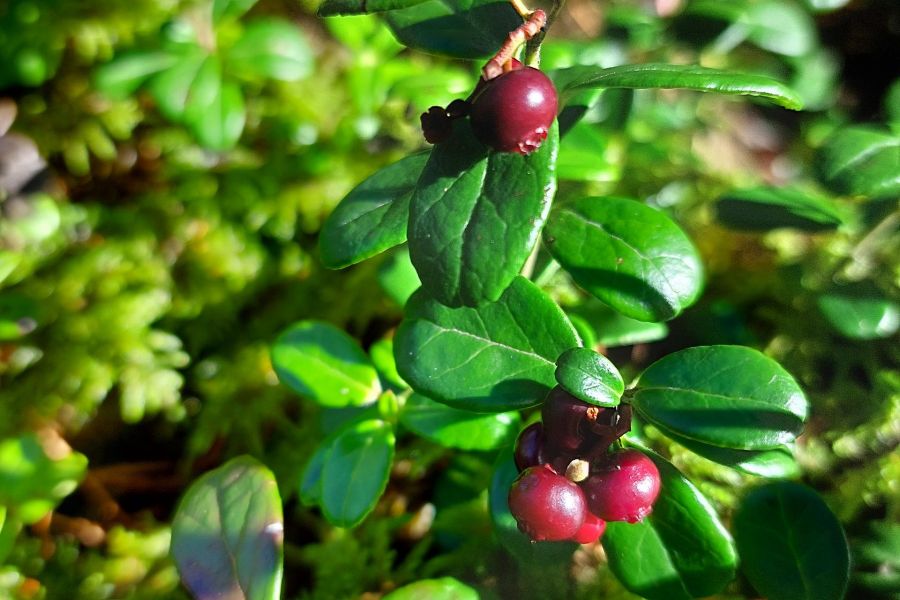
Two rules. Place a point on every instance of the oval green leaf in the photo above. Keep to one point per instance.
(321, 362)
(680, 551)
(861, 160)
(445, 588)
(356, 472)
(765, 208)
(792, 546)
(476, 214)
(860, 312)
(227, 534)
(690, 77)
(457, 428)
(628, 255)
(397, 276)
(171, 88)
(373, 216)
(590, 376)
(544, 555)
(124, 75)
(497, 357)
(727, 396)
(271, 48)
(615, 329)
(310, 487)
(458, 28)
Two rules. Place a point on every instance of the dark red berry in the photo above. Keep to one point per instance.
(436, 125)
(591, 530)
(624, 488)
(515, 110)
(547, 506)
(529, 447)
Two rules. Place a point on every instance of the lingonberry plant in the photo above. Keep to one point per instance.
(483, 343)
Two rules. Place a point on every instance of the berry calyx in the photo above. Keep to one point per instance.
(624, 488)
(529, 447)
(437, 122)
(515, 110)
(546, 505)
(591, 530)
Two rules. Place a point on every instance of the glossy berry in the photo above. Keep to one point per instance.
(591, 530)
(514, 111)
(624, 489)
(547, 506)
(529, 447)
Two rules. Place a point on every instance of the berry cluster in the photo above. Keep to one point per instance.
(570, 482)
(511, 113)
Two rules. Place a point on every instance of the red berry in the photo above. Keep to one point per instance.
(591, 530)
(529, 447)
(625, 488)
(514, 112)
(547, 506)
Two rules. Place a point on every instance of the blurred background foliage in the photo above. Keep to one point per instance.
(164, 169)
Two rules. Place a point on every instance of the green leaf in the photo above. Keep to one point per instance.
(373, 216)
(861, 161)
(780, 27)
(628, 255)
(397, 276)
(172, 88)
(356, 471)
(271, 48)
(615, 329)
(727, 396)
(122, 77)
(457, 428)
(382, 353)
(445, 588)
(230, 9)
(33, 480)
(765, 208)
(9, 531)
(497, 357)
(776, 463)
(680, 551)
(330, 8)
(543, 555)
(214, 109)
(458, 28)
(589, 155)
(860, 312)
(228, 532)
(321, 362)
(589, 376)
(690, 77)
(310, 487)
(792, 546)
(476, 214)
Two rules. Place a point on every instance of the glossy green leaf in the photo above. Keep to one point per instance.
(228, 533)
(543, 555)
(728, 396)
(861, 161)
(172, 88)
(680, 551)
(456, 428)
(382, 353)
(123, 76)
(860, 312)
(356, 471)
(397, 276)
(230, 9)
(445, 588)
(765, 208)
(330, 8)
(321, 362)
(664, 76)
(458, 28)
(373, 216)
(32, 480)
(476, 214)
(792, 546)
(497, 357)
(590, 376)
(630, 256)
(775, 463)
(218, 125)
(271, 48)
